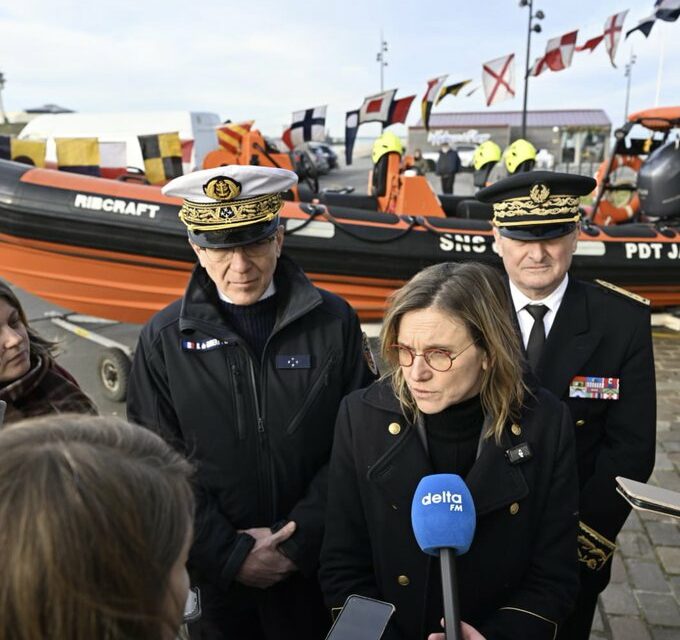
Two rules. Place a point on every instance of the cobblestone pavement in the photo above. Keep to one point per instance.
(642, 601)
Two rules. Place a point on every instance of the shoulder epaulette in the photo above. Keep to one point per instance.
(623, 292)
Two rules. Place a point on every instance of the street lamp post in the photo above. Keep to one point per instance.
(539, 15)
(2, 106)
(380, 59)
(628, 73)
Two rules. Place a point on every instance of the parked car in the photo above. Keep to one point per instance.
(315, 156)
(328, 152)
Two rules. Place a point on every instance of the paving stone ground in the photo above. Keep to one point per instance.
(642, 601)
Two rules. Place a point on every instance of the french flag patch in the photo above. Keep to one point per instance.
(202, 345)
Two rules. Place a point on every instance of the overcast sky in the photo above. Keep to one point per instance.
(263, 59)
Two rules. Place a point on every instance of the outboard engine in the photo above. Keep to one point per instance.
(658, 182)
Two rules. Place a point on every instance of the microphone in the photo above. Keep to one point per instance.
(443, 519)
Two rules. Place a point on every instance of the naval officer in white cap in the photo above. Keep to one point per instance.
(244, 374)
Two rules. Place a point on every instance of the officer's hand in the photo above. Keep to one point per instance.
(468, 633)
(265, 565)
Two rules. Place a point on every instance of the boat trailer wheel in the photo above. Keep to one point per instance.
(114, 372)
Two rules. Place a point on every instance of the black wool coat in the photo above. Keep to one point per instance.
(520, 577)
(598, 332)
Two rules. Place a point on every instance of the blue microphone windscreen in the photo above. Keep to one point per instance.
(443, 514)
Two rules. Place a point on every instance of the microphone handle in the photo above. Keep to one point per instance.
(447, 562)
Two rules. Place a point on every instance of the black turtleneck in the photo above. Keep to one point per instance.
(452, 439)
(253, 322)
(453, 435)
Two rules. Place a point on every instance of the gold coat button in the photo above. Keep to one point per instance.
(394, 428)
(514, 508)
(580, 423)
(403, 581)
(516, 429)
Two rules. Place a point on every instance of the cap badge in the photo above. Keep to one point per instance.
(222, 188)
(539, 193)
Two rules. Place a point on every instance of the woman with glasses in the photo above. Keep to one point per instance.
(454, 399)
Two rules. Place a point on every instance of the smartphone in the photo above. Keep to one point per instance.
(361, 619)
(649, 498)
(192, 608)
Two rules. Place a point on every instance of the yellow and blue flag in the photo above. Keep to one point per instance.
(30, 152)
(78, 155)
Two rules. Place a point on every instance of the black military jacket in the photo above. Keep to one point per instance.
(600, 333)
(520, 577)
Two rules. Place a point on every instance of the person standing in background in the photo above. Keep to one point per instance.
(448, 165)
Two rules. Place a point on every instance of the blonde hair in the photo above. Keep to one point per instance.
(94, 512)
(474, 293)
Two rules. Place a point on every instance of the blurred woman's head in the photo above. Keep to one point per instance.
(448, 336)
(95, 525)
(19, 344)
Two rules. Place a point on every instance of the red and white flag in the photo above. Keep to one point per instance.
(558, 54)
(399, 110)
(112, 159)
(431, 93)
(613, 27)
(498, 78)
(309, 124)
(376, 108)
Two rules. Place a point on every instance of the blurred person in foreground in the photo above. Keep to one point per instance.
(95, 527)
(591, 345)
(245, 374)
(454, 400)
(31, 382)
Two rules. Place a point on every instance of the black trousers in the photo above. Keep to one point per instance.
(577, 625)
(447, 183)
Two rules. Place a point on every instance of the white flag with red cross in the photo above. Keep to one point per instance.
(613, 28)
(498, 78)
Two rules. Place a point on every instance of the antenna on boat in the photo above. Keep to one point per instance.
(628, 73)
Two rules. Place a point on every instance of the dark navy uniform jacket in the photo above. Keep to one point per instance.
(601, 333)
(260, 431)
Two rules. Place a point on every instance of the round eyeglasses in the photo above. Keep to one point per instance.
(438, 359)
(257, 249)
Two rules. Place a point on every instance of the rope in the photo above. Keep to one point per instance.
(315, 210)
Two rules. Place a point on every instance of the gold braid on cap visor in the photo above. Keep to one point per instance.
(212, 216)
(560, 209)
